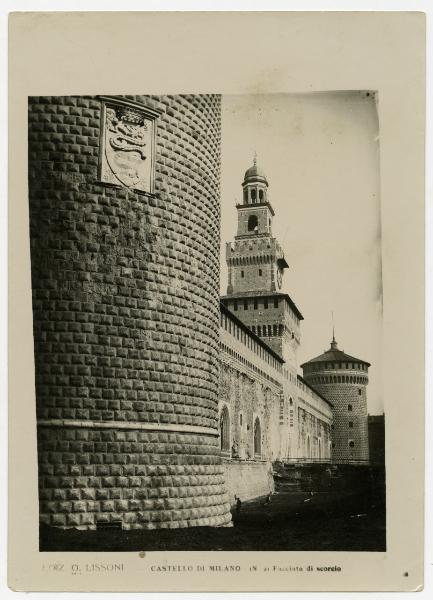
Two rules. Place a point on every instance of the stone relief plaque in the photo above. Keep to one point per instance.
(128, 146)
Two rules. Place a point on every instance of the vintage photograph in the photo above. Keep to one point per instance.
(216, 301)
(207, 320)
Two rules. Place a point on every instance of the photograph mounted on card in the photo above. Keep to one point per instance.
(206, 306)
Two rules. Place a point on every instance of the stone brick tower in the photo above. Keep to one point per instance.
(343, 379)
(124, 226)
(256, 265)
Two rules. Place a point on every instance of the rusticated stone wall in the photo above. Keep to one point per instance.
(346, 389)
(126, 312)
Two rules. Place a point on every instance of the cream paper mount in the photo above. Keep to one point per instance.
(290, 82)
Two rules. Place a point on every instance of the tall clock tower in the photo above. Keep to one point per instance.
(256, 267)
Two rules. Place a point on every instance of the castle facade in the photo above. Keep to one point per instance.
(268, 412)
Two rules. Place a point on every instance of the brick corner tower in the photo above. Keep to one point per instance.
(124, 198)
(342, 379)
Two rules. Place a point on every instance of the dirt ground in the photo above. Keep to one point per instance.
(291, 521)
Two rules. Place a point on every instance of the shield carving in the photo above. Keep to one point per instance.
(127, 147)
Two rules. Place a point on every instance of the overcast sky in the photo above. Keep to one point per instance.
(320, 153)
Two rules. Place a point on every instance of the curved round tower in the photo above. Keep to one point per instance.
(343, 379)
(124, 198)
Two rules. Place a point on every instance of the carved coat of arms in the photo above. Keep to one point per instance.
(127, 148)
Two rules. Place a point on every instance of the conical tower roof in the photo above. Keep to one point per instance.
(334, 355)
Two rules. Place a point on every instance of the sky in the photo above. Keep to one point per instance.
(320, 153)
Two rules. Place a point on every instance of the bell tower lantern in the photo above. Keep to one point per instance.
(255, 213)
(254, 185)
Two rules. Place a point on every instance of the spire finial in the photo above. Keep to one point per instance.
(333, 343)
(255, 158)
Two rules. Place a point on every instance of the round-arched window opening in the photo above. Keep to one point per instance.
(253, 195)
(257, 438)
(260, 195)
(252, 222)
(225, 430)
(245, 196)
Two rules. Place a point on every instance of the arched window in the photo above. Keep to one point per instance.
(253, 195)
(245, 196)
(257, 438)
(252, 222)
(225, 430)
(261, 195)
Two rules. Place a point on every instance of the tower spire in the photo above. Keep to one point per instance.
(255, 158)
(334, 345)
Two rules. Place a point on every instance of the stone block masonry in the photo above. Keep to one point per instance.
(126, 319)
(248, 480)
(144, 479)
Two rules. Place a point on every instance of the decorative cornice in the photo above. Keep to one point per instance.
(150, 112)
(88, 424)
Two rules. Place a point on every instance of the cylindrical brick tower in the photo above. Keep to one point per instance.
(343, 379)
(125, 231)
